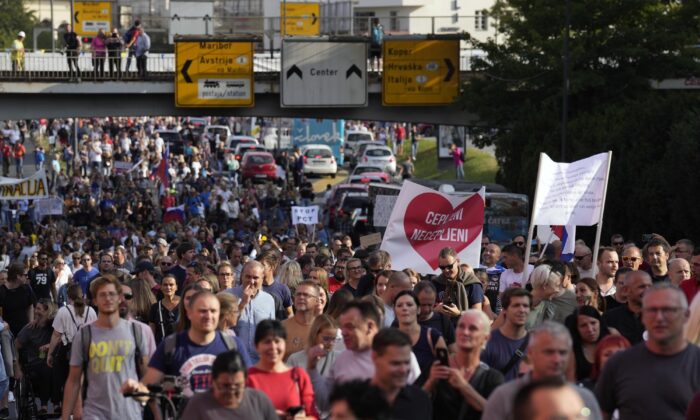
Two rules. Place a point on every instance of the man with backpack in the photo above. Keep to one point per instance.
(109, 351)
(375, 46)
(190, 354)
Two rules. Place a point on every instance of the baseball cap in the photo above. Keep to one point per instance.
(143, 266)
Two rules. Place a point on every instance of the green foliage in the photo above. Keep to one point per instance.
(616, 47)
(15, 17)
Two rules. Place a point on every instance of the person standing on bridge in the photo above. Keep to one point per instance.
(99, 52)
(143, 44)
(114, 44)
(375, 46)
(72, 44)
(17, 53)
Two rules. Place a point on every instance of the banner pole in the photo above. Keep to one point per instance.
(549, 240)
(531, 228)
(599, 228)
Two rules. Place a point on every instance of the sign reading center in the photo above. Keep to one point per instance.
(420, 72)
(323, 73)
(214, 73)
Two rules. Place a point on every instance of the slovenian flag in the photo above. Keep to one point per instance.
(175, 214)
(567, 236)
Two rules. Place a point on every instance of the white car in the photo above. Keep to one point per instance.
(365, 168)
(234, 140)
(379, 156)
(319, 160)
(353, 137)
(242, 148)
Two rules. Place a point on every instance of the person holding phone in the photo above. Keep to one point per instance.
(458, 290)
(460, 386)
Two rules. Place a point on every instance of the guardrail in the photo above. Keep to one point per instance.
(47, 66)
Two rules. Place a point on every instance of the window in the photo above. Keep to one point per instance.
(394, 21)
(481, 20)
(363, 22)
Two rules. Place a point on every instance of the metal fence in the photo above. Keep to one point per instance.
(47, 66)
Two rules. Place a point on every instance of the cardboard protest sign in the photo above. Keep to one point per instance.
(424, 221)
(304, 215)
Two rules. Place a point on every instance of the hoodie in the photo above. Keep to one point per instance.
(456, 290)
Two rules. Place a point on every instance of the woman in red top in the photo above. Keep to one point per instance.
(289, 389)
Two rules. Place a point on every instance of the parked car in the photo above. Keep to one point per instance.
(336, 194)
(235, 140)
(352, 138)
(355, 205)
(258, 166)
(365, 168)
(379, 156)
(370, 177)
(359, 149)
(243, 148)
(318, 159)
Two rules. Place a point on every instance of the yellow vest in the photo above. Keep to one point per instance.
(17, 53)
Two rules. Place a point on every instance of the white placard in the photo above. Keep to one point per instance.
(424, 221)
(48, 206)
(570, 193)
(304, 215)
(383, 205)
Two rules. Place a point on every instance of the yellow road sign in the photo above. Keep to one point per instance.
(91, 16)
(420, 72)
(301, 19)
(214, 74)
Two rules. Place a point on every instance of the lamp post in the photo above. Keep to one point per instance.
(565, 85)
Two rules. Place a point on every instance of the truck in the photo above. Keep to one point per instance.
(320, 131)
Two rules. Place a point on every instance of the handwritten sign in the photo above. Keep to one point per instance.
(570, 193)
(304, 215)
(49, 206)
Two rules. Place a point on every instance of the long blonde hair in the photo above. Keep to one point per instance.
(290, 275)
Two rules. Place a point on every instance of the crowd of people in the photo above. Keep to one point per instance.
(239, 314)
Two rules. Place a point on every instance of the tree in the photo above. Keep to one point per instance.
(15, 17)
(617, 47)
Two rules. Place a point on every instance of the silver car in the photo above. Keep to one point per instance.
(379, 156)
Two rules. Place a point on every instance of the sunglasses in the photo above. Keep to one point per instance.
(447, 267)
(519, 243)
(631, 259)
(580, 257)
(128, 296)
(618, 243)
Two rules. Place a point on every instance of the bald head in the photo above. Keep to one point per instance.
(397, 282)
(678, 270)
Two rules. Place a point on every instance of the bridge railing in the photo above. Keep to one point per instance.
(48, 66)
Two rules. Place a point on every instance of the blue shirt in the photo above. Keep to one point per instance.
(83, 278)
(281, 291)
(193, 361)
(260, 308)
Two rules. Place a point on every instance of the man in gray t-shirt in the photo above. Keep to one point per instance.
(111, 359)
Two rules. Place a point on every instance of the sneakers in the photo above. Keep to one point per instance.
(10, 397)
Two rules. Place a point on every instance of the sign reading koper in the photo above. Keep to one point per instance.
(420, 72)
(211, 73)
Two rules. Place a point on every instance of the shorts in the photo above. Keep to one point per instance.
(375, 52)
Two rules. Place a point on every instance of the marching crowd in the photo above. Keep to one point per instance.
(237, 313)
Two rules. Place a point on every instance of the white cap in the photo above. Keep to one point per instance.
(22, 34)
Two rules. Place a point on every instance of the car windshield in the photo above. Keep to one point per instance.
(259, 159)
(355, 202)
(218, 130)
(364, 169)
(353, 137)
(318, 153)
(377, 152)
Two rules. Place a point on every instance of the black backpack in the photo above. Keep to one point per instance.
(86, 336)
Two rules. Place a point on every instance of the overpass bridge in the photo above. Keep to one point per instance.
(44, 89)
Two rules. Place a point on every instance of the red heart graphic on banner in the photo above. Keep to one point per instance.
(431, 223)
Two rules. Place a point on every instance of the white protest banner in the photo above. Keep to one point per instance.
(30, 188)
(49, 206)
(121, 167)
(570, 193)
(424, 221)
(304, 215)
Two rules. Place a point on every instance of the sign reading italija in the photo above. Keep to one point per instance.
(420, 72)
(323, 73)
(213, 73)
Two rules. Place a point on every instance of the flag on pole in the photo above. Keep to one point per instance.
(174, 214)
(567, 236)
(161, 171)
